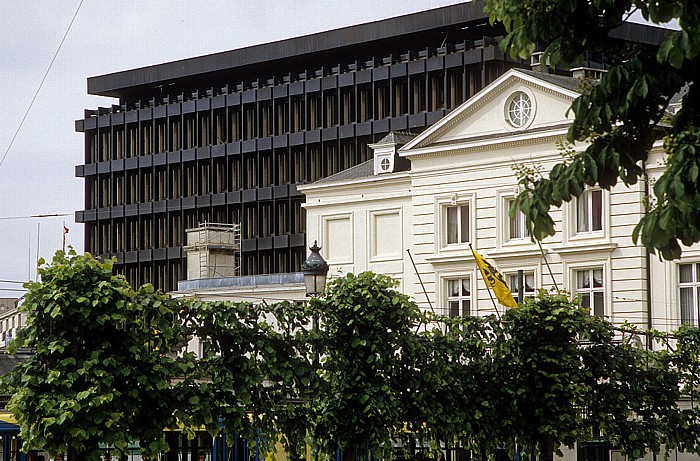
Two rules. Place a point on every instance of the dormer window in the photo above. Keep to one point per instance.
(519, 109)
(386, 157)
(384, 164)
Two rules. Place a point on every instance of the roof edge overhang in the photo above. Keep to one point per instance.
(353, 183)
(111, 84)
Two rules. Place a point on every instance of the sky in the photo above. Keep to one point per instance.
(37, 176)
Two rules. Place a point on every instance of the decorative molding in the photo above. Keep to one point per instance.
(579, 248)
(505, 253)
(454, 256)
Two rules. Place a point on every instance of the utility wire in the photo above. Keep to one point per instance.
(21, 123)
(36, 216)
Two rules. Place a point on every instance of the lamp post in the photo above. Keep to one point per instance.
(315, 270)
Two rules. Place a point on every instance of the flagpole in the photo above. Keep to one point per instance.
(420, 323)
(64, 236)
(548, 266)
(498, 314)
(420, 280)
(38, 233)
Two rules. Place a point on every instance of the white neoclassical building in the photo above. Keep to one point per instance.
(413, 210)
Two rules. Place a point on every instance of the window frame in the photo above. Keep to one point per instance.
(591, 290)
(459, 238)
(442, 206)
(519, 109)
(507, 101)
(589, 215)
(518, 220)
(694, 286)
(460, 298)
(512, 279)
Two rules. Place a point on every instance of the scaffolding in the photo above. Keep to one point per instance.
(213, 251)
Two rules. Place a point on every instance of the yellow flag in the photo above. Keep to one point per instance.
(494, 280)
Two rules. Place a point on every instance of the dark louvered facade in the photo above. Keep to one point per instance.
(226, 138)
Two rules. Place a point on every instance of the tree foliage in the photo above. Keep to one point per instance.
(359, 368)
(366, 328)
(253, 372)
(624, 115)
(451, 367)
(547, 374)
(101, 366)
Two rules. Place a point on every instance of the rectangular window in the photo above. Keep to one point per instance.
(219, 176)
(282, 115)
(348, 106)
(298, 114)
(589, 211)
(119, 142)
(516, 224)
(220, 127)
(689, 286)
(161, 183)
(204, 130)
(382, 101)
(175, 134)
(459, 296)
(161, 136)
(204, 183)
(118, 236)
(315, 118)
(529, 290)
(132, 131)
(365, 103)
(147, 139)
(457, 224)
(190, 181)
(589, 285)
(147, 186)
(190, 133)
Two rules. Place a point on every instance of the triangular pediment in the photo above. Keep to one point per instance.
(518, 104)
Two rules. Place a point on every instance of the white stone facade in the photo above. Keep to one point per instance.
(456, 193)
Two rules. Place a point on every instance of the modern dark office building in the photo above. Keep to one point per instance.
(225, 138)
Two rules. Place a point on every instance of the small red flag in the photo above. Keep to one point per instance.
(65, 230)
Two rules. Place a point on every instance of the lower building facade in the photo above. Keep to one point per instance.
(419, 224)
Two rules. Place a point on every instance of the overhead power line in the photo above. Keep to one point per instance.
(21, 123)
(54, 215)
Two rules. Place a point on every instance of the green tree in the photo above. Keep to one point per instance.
(452, 393)
(101, 369)
(569, 375)
(365, 327)
(684, 432)
(540, 369)
(255, 375)
(624, 115)
(635, 392)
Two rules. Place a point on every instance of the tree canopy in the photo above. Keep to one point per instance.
(101, 366)
(622, 117)
(547, 374)
(360, 368)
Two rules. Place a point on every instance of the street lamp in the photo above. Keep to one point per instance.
(315, 270)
